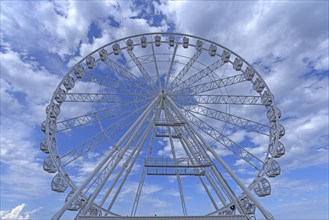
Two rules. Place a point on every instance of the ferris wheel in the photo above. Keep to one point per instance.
(162, 105)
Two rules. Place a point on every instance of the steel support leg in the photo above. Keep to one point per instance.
(75, 195)
(266, 214)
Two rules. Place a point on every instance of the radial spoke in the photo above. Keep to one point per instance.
(156, 67)
(98, 139)
(198, 76)
(185, 69)
(171, 66)
(108, 82)
(95, 116)
(229, 118)
(225, 141)
(127, 74)
(208, 86)
(140, 66)
(218, 99)
(99, 97)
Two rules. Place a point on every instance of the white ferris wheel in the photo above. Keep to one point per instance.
(158, 105)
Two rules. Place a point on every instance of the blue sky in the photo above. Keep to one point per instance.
(287, 41)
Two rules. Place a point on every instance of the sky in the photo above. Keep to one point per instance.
(286, 41)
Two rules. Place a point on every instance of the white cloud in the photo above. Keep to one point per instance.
(18, 213)
(287, 41)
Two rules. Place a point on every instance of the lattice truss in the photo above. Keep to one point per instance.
(162, 104)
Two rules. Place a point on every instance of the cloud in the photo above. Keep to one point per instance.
(286, 41)
(18, 213)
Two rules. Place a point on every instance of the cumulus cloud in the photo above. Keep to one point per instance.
(286, 41)
(18, 213)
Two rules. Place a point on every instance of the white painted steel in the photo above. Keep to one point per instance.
(186, 90)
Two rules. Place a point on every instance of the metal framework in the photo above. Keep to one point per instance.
(162, 104)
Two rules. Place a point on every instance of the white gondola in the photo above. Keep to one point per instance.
(274, 129)
(60, 95)
(247, 205)
(69, 83)
(157, 40)
(58, 184)
(78, 71)
(237, 64)
(76, 204)
(116, 49)
(48, 165)
(53, 110)
(274, 169)
(199, 44)
(185, 42)
(266, 98)
(249, 73)
(103, 54)
(91, 62)
(263, 188)
(278, 150)
(271, 114)
(44, 146)
(259, 85)
(225, 56)
(171, 41)
(92, 211)
(130, 44)
(52, 126)
(143, 41)
(212, 50)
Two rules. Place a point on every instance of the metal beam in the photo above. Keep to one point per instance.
(229, 118)
(175, 158)
(107, 171)
(225, 141)
(140, 66)
(97, 139)
(198, 76)
(60, 212)
(266, 214)
(218, 99)
(98, 97)
(171, 66)
(94, 116)
(208, 86)
(140, 143)
(156, 67)
(185, 69)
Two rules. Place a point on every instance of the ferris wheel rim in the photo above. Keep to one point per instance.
(61, 170)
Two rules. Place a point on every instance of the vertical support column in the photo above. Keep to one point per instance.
(191, 155)
(131, 139)
(266, 214)
(174, 157)
(75, 195)
(141, 181)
